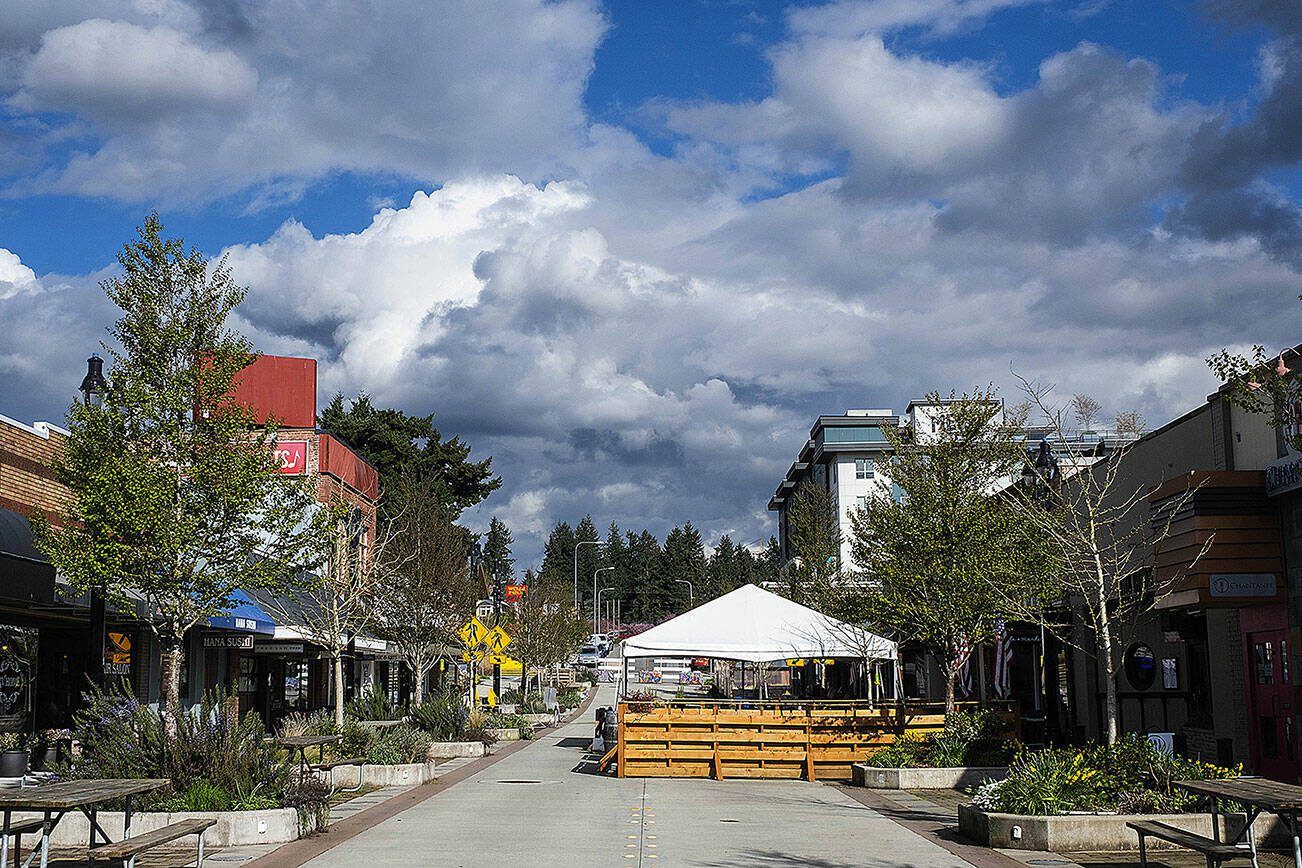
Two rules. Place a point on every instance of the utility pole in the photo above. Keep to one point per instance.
(497, 620)
(598, 572)
(691, 594)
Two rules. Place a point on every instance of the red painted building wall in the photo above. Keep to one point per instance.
(281, 388)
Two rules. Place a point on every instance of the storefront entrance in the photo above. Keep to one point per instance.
(1271, 720)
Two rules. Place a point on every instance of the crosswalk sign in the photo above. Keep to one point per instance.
(497, 640)
(473, 632)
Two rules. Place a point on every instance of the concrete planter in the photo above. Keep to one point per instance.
(509, 733)
(453, 749)
(925, 779)
(1096, 832)
(403, 775)
(234, 828)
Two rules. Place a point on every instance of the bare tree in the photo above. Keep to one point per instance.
(544, 630)
(1105, 535)
(1128, 423)
(425, 592)
(1086, 410)
(337, 607)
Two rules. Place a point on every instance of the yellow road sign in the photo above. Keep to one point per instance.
(472, 656)
(796, 662)
(473, 632)
(502, 660)
(497, 640)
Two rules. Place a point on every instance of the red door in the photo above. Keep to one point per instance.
(1271, 719)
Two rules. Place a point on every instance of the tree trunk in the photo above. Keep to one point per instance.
(418, 679)
(951, 678)
(339, 691)
(524, 679)
(173, 656)
(1111, 710)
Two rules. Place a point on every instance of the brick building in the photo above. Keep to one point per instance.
(47, 634)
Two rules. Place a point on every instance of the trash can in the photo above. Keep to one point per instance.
(610, 732)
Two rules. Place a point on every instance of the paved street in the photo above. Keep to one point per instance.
(542, 806)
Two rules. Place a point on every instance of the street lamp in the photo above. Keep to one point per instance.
(1041, 477)
(598, 572)
(691, 594)
(93, 385)
(585, 542)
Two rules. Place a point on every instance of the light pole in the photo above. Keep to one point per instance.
(691, 594)
(602, 591)
(585, 542)
(598, 572)
(93, 388)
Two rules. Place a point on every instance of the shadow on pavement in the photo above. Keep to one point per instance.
(775, 859)
(574, 741)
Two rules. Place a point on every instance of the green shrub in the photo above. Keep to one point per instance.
(511, 696)
(479, 728)
(1131, 776)
(372, 705)
(568, 699)
(205, 796)
(214, 749)
(443, 716)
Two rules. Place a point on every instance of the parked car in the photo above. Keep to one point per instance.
(589, 655)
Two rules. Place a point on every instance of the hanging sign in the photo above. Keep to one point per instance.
(291, 457)
(117, 653)
(515, 592)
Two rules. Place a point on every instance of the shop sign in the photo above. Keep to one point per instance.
(291, 457)
(1242, 584)
(1284, 475)
(223, 640)
(285, 648)
(515, 592)
(117, 653)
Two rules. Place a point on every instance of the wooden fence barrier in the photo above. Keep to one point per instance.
(789, 739)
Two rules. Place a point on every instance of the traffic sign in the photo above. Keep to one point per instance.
(497, 640)
(473, 632)
(472, 656)
(502, 660)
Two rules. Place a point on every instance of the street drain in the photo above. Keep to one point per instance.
(729, 821)
(519, 782)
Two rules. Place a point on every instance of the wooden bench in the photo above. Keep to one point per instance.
(329, 769)
(1214, 851)
(128, 849)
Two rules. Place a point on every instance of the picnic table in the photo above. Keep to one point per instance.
(1257, 795)
(53, 801)
(301, 743)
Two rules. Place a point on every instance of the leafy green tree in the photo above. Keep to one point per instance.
(815, 532)
(941, 564)
(398, 444)
(175, 500)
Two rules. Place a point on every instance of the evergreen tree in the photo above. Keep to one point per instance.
(724, 570)
(815, 571)
(398, 444)
(589, 559)
(684, 562)
(615, 553)
(558, 554)
(650, 596)
(498, 562)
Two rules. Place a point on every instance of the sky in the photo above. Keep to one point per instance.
(631, 250)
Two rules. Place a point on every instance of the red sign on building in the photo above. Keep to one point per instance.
(291, 457)
(515, 592)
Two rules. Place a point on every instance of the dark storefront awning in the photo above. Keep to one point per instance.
(25, 574)
(246, 616)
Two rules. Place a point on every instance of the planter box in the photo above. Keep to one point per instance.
(1097, 832)
(234, 828)
(453, 749)
(925, 779)
(404, 775)
(510, 733)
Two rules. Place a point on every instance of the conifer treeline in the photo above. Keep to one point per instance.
(646, 572)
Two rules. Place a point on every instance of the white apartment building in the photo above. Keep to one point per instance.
(847, 454)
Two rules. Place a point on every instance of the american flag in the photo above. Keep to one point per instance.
(1003, 659)
(963, 652)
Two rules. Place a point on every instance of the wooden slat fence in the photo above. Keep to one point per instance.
(807, 740)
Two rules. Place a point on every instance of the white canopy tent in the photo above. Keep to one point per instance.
(753, 625)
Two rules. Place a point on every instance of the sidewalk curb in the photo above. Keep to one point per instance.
(296, 853)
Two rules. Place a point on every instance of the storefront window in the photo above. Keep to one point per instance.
(1263, 653)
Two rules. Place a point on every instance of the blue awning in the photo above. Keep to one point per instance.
(245, 616)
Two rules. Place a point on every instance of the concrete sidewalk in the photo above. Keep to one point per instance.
(544, 806)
